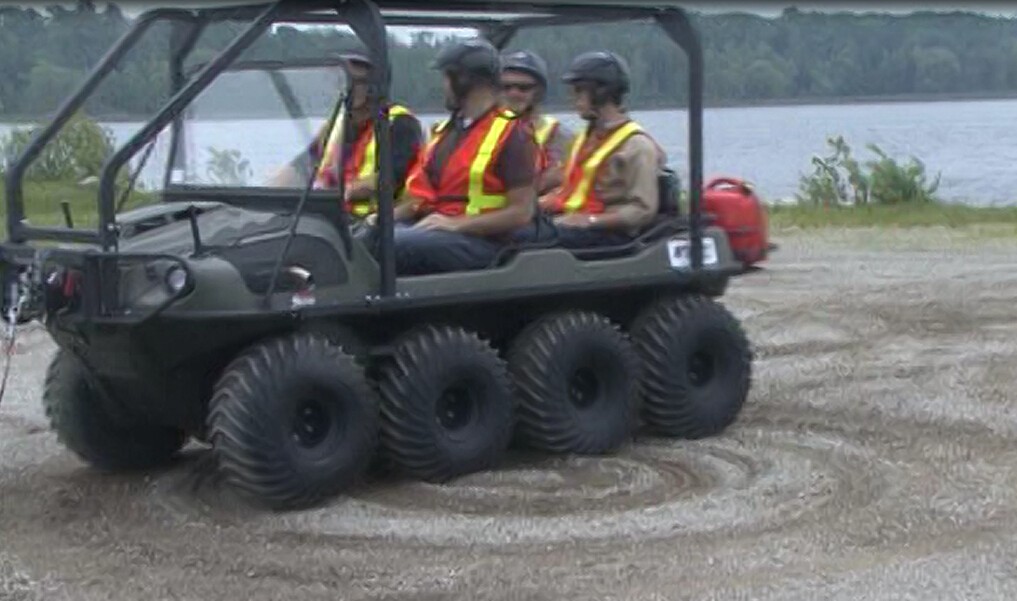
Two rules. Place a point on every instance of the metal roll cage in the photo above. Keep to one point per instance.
(368, 20)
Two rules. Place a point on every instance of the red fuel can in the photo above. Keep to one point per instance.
(737, 210)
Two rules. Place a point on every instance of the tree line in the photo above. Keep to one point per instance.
(46, 52)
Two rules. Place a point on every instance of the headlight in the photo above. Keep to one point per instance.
(176, 279)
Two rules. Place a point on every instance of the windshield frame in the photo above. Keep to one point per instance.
(275, 71)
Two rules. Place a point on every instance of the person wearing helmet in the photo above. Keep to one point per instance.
(357, 150)
(524, 82)
(610, 192)
(473, 187)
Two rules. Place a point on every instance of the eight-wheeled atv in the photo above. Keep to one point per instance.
(251, 318)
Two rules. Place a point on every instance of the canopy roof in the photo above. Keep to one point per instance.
(467, 10)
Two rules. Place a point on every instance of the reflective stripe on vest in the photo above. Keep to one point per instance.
(368, 166)
(581, 191)
(477, 199)
(368, 160)
(545, 130)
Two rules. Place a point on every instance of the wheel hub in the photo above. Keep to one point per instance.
(701, 368)
(584, 388)
(455, 408)
(313, 423)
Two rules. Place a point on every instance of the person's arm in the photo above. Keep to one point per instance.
(289, 175)
(638, 166)
(628, 187)
(516, 166)
(517, 213)
(405, 209)
(560, 144)
(296, 172)
(558, 148)
(407, 206)
(406, 141)
(551, 178)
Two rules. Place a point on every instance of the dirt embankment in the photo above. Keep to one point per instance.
(877, 458)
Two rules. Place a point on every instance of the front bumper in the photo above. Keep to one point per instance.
(92, 285)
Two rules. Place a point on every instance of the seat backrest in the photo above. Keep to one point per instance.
(670, 192)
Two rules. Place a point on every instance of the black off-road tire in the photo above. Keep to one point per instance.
(293, 422)
(576, 376)
(697, 366)
(446, 405)
(83, 424)
(338, 335)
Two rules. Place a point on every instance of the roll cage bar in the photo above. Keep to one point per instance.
(368, 20)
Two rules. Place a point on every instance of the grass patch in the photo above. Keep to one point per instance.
(898, 215)
(43, 203)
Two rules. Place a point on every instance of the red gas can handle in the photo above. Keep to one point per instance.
(733, 182)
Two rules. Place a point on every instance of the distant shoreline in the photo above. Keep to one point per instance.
(716, 104)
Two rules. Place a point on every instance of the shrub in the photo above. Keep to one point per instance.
(838, 179)
(78, 151)
(891, 183)
(228, 167)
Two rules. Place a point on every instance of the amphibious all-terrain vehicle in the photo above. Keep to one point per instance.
(252, 319)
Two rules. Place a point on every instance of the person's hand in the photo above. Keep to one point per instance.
(546, 202)
(371, 220)
(438, 221)
(358, 190)
(579, 220)
(284, 177)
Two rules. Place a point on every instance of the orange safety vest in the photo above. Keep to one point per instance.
(578, 193)
(363, 163)
(542, 132)
(468, 184)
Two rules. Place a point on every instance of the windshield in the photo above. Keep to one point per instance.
(255, 120)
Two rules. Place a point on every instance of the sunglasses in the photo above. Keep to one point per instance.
(522, 87)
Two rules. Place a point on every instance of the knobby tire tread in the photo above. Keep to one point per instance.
(542, 420)
(83, 426)
(670, 411)
(410, 385)
(243, 424)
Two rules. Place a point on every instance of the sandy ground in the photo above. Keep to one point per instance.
(877, 459)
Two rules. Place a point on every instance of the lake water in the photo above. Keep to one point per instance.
(973, 144)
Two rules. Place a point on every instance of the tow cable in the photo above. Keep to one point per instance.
(10, 335)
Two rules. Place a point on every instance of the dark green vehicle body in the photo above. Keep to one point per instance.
(164, 353)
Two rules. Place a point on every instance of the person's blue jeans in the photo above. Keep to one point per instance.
(572, 237)
(419, 252)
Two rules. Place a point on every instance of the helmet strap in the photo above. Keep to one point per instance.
(461, 85)
(600, 95)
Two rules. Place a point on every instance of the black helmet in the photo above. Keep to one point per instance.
(605, 68)
(527, 62)
(357, 58)
(476, 56)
